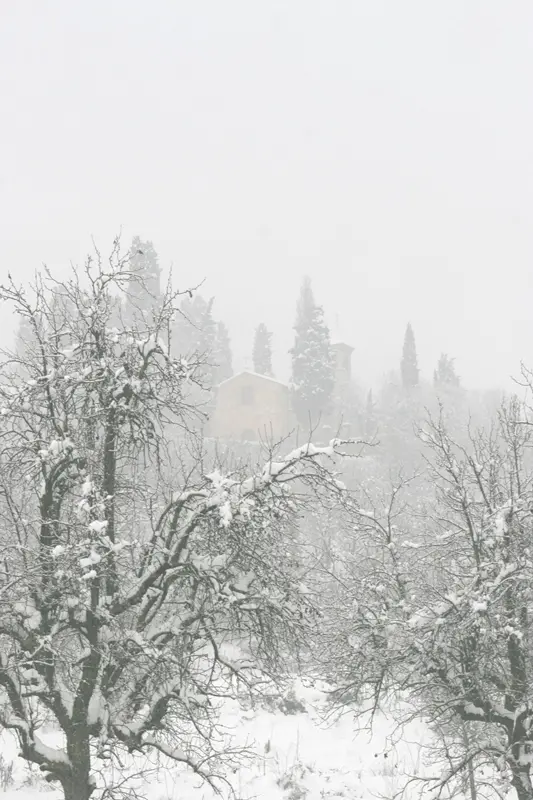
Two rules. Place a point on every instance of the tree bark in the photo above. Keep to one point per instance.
(470, 766)
(77, 785)
(77, 790)
(521, 780)
(522, 784)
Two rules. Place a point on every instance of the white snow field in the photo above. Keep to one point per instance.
(299, 757)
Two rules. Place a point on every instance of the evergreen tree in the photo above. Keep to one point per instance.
(144, 289)
(195, 334)
(409, 363)
(222, 356)
(370, 413)
(445, 374)
(313, 371)
(262, 351)
(195, 326)
(25, 338)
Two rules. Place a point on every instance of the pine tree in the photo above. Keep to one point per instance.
(222, 356)
(409, 363)
(144, 289)
(313, 372)
(445, 374)
(262, 351)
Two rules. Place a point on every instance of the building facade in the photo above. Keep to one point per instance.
(250, 407)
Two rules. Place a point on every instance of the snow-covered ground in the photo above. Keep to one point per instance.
(299, 758)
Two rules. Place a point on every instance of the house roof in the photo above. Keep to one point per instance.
(253, 375)
(340, 343)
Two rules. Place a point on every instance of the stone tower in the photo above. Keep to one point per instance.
(343, 357)
(342, 392)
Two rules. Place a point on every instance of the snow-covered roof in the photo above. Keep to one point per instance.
(253, 375)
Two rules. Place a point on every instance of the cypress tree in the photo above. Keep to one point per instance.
(222, 356)
(262, 351)
(195, 334)
(445, 374)
(409, 363)
(370, 413)
(25, 338)
(313, 372)
(144, 289)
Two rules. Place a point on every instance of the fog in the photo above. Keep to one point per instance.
(294, 485)
(383, 148)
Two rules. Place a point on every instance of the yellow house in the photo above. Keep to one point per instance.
(250, 407)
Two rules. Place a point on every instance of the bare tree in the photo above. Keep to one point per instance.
(137, 586)
(440, 613)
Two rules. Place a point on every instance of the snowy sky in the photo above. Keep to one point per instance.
(382, 146)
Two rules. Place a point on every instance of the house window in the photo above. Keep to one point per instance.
(247, 395)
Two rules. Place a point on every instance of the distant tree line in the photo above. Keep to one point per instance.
(197, 332)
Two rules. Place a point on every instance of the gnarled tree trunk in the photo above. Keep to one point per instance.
(77, 784)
